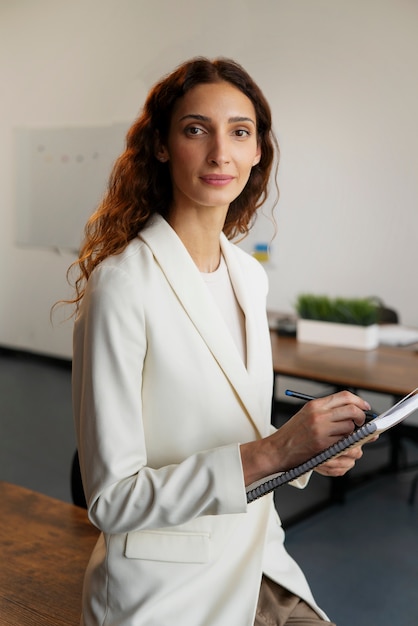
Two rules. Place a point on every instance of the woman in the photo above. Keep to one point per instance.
(172, 372)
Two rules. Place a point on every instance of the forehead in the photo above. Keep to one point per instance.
(214, 100)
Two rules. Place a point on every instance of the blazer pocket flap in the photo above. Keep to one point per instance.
(175, 547)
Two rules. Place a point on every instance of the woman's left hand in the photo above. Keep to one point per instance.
(341, 464)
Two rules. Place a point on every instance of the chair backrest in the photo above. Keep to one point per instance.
(387, 316)
(77, 491)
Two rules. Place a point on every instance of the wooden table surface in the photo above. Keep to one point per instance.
(385, 369)
(45, 545)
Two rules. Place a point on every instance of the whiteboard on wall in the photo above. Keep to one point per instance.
(61, 176)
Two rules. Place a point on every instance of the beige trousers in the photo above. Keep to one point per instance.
(279, 607)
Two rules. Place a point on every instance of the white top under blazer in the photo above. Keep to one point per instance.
(162, 400)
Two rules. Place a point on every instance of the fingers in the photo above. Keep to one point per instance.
(354, 453)
(341, 464)
(345, 397)
(344, 408)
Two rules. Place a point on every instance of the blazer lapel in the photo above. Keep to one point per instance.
(184, 278)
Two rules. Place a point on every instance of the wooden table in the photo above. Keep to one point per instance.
(45, 545)
(385, 369)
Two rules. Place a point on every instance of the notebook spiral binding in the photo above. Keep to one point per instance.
(280, 479)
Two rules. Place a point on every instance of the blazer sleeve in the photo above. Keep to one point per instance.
(122, 492)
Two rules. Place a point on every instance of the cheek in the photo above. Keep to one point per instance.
(246, 166)
(182, 159)
(247, 158)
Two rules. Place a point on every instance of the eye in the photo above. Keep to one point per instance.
(193, 131)
(242, 133)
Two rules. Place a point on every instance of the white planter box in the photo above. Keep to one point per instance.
(342, 335)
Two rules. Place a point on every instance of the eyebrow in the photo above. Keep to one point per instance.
(204, 118)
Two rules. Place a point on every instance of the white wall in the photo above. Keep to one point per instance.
(342, 81)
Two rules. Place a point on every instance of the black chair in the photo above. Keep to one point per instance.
(407, 432)
(413, 490)
(77, 491)
(386, 315)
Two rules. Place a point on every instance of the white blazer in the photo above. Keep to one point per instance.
(162, 401)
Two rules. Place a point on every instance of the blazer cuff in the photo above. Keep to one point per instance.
(302, 481)
(229, 479)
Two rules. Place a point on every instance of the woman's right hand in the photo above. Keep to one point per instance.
(319, 424)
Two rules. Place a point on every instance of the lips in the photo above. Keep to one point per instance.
(217, 180)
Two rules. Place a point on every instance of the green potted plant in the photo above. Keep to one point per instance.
(347, 322)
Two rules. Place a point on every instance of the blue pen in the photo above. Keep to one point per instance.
(304, 396)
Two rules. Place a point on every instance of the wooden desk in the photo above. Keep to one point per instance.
(386, 370)
(45, 545)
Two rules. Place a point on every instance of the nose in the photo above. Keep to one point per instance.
(219, 153)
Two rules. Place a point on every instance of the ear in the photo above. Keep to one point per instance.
(257, 156)
(161, 151)
(162, 154)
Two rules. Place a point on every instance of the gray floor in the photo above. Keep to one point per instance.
(360, 556)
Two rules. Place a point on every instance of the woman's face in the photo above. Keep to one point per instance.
(211, 147)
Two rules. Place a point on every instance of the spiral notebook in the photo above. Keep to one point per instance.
(379, 424)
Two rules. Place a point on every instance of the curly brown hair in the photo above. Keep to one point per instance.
(140, 185)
